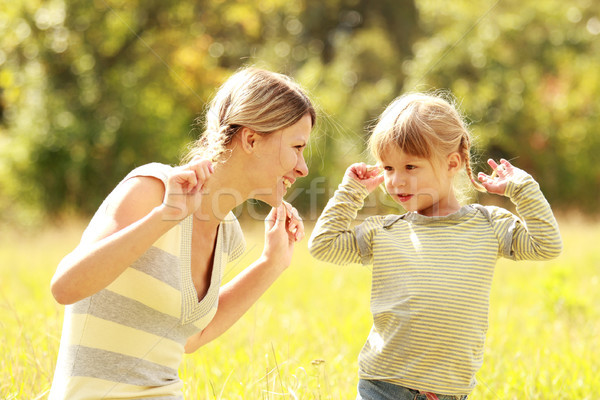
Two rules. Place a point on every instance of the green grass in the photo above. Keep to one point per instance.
(301, 340)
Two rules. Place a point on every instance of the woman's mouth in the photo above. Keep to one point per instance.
(287, 183)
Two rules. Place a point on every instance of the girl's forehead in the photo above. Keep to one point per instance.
(400, 157)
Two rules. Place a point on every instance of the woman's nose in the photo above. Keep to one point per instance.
(301, 167)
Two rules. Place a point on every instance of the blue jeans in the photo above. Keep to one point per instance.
(380, 390)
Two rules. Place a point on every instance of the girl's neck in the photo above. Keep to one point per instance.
(445, 206)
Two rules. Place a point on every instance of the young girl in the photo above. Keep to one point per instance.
(433, 265)
(144, 284)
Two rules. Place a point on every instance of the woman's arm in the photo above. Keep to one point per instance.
(283, 227)
(138, 213)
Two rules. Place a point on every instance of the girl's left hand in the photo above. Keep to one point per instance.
(283, 227)
(496, 183)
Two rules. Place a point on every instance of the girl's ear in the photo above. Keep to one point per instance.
(248, 139)
(454, 163)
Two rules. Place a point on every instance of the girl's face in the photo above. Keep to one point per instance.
(419, 185)
(280, 161)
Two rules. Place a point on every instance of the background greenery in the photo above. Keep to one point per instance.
(91, 89)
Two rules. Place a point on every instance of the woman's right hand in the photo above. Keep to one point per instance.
(183, 194)
(368, 175)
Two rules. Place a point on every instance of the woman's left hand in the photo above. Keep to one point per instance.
(496, 183)
(283, 227)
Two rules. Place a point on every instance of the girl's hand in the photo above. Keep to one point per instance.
(496, 183)
(368, 175)
(183, 194)
(283, 227)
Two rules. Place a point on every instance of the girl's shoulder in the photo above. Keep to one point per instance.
(375, 222)
(492, 213)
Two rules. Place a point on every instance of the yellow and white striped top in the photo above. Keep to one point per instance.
(431, 279)
(127, 341)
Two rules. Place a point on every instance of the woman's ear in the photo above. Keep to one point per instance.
(248, 139)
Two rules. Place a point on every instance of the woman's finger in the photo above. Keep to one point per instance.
(300, 225)
(185, 179)
(203, 170)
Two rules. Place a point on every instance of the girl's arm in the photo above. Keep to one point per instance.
(539, 237)
(332, 239)
(283, 227)
(138, 213)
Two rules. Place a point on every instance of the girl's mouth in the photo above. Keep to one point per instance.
(403, 197)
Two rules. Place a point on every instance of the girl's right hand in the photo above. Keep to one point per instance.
(368, 175)
(183, 194)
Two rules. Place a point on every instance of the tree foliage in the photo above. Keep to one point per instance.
(89, 90)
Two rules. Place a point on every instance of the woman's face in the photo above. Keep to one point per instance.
(280, 161)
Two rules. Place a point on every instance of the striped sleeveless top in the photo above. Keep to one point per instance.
(127, 341)
(431, 279)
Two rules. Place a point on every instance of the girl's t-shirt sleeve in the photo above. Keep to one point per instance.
(333, 239)
(365, 235)
(534, 233)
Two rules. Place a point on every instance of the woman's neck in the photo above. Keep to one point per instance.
(221, 194)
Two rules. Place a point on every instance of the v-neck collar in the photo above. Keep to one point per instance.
(191, 308)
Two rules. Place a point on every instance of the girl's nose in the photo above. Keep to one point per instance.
(398, 180)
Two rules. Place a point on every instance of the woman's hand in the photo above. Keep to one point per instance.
(368, 175)
(496, 183)
(183, 194)
(283, 227)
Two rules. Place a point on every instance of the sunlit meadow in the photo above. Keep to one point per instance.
(301, 340)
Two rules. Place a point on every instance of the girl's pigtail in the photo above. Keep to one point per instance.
(465, 146)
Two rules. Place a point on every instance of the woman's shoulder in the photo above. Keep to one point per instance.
(134, 197)
(155, 170)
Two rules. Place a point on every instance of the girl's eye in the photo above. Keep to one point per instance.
(388, 168)
(411, 167)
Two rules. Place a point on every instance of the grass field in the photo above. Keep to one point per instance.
(301, 340)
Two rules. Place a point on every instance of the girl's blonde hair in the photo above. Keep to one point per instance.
(423, 125)
(260, 100)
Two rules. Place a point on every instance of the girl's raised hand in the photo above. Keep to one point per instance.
(496, 183)
(368, 175)
(183, 194)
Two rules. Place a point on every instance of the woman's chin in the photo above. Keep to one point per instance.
(273, 200)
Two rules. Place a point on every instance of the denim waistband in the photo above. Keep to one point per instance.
(423, 395)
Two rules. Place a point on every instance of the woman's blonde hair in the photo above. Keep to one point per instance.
(424, 125)
(260, 100)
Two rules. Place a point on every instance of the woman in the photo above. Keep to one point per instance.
(143, 286)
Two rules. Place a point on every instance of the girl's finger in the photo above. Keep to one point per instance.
(507, 165)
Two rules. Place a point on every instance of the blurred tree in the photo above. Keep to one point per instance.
(89, 90)
(96, 88)
(527, 77)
